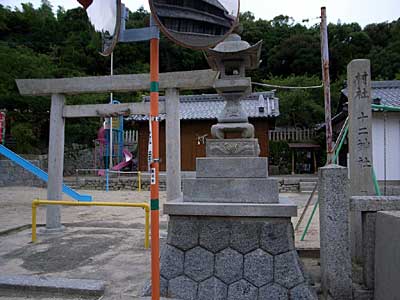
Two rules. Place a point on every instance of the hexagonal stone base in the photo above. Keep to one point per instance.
(220, 258)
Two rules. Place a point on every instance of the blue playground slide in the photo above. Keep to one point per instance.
(40, 173)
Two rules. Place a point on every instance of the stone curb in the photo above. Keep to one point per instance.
(53, 284)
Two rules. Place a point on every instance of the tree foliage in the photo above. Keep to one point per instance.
(38, 43)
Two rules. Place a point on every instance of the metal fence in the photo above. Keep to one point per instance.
(292, 135)
(131, 136)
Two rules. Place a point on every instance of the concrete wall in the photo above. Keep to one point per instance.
(392, 145)
(387, 255)
(126, 183)
(13, 175)
(286, 185)
(78, 157)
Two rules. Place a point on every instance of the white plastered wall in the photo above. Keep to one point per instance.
(392, 125)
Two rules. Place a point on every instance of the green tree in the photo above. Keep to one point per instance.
(22, 62)
(301, 108)
(300, 60)
(36, 43)
(24, 137)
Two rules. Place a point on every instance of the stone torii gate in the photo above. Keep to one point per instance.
(171, 83)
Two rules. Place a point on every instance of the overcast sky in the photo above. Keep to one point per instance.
(362, 11)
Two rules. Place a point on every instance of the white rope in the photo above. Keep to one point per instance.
(289, 87)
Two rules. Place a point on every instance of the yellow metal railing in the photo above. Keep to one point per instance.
(145, 206)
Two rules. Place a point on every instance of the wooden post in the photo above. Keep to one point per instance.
(327, 84)
(56, 161)
(173, 144)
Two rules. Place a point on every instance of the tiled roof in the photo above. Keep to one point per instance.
(206, 107)
(387, 91)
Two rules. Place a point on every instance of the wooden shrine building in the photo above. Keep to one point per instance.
(197, 114)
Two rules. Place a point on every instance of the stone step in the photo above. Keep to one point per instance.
(306, 187)
(307, 183)
(231, 190)
(232, 167)
(59, 285)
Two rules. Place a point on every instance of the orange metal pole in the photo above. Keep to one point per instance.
(154, 194)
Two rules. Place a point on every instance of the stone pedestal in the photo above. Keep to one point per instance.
(231, 179)
(231, 237)
(230, 190)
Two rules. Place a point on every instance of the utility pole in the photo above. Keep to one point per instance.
(327, 85)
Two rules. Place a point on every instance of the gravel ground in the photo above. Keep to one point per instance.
(104, 243)
(15, 211)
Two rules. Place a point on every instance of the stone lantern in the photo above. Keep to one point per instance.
(232, 58)
(230, 236)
